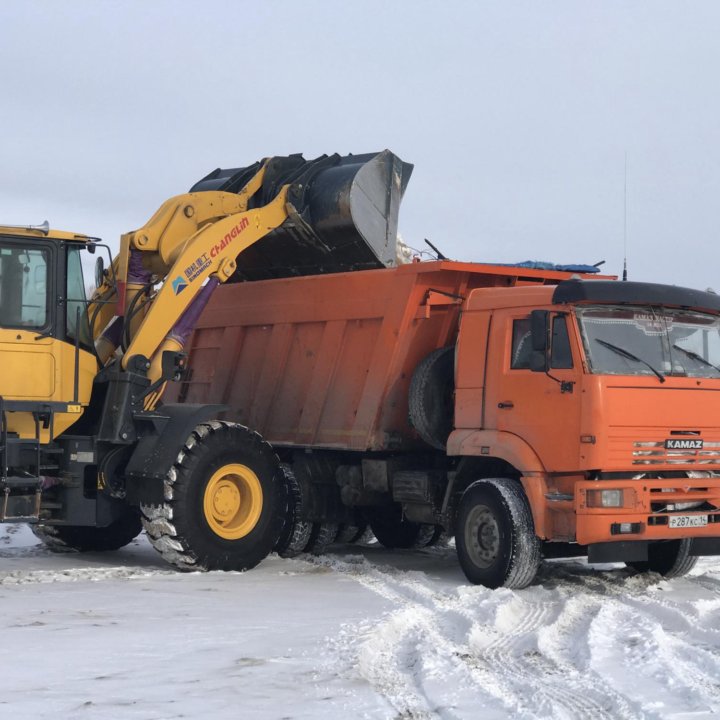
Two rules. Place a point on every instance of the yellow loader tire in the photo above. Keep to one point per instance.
(226, 500)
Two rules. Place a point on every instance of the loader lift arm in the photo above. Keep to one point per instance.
(190, 238)
(335, 212)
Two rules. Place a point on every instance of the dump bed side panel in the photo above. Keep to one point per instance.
(326, 361)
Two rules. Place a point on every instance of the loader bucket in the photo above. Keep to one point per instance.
(344, 217)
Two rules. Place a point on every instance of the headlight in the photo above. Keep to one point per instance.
(604, 498)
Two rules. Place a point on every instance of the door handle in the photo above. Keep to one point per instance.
(507, 405)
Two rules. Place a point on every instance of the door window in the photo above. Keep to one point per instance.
(76, 300)
(521, 344)
(521, 351)
(23, 286)
(560, 355)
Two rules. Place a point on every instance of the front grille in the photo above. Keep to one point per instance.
(655, 453)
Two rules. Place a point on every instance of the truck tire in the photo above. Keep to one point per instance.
(79, 538)
(348, 533)
(226, 500)
(322, 536)
(495, 536)
(668, 558)
(295, 534)
(440, 538)
(392, 532)
(430, 397)
(364, 536)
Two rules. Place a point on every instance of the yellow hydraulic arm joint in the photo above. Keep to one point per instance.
(223, 228)
(177, 221)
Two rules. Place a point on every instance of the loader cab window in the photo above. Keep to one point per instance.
(24, 296)
(76, 304)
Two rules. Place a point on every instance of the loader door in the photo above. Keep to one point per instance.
(46, 374)
(542, 410)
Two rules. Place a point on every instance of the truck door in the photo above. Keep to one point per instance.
(541, 408)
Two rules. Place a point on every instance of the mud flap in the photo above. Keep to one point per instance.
(162, 435)
(621, 551)
(705, 546)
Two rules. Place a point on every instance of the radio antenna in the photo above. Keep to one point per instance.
(624, 275)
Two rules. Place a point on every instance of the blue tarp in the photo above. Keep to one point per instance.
(538, 265)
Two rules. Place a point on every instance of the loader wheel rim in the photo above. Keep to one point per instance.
(233, 501)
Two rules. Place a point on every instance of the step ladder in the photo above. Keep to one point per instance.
(20, 495)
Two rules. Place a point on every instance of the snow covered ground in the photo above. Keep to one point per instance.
(359, 633)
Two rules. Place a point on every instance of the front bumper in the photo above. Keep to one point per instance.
(648, 505)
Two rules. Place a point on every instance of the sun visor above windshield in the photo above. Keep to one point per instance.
(634, 293)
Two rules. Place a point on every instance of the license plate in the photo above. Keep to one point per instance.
(688, 521)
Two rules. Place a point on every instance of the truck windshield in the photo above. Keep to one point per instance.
(626, 340)
(23, 286)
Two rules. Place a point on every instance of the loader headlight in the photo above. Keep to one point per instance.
(604, 498)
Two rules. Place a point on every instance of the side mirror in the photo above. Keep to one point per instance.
(99, 271)
(540, 334)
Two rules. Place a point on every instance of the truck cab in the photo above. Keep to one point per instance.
(602, 396)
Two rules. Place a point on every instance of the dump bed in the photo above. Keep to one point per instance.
(326, 361)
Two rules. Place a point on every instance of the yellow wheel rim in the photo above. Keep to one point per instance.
(233, 501)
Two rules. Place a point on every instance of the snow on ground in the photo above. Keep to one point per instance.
(359, 633)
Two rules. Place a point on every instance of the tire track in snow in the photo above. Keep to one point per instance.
(406, 650)
(681, 638)
(657, 657)
(22, 577)
(557, 691)
(502, 658)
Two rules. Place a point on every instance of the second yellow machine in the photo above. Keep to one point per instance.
(86, 454)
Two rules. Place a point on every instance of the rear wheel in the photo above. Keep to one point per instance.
(347, 534)
(77, 538)
(392, 531)
(322, 536)
(295, 534)
(226, 500)
(364, 536)
(440, 537)
(669, 558)
(494, 535)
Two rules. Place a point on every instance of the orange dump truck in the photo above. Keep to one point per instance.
(528, 412)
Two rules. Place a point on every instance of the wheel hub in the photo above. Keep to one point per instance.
(226, 500)
(233, 501)
(482, 536)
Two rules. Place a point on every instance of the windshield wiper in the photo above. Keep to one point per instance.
(697, 357)
(628, 354)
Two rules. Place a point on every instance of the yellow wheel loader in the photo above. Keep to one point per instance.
(88, 452)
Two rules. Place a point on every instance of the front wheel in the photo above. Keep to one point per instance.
(495, 536)
(226, 499)
(669, 558)
(77, 538)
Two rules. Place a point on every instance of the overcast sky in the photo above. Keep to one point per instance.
(516, 115)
